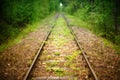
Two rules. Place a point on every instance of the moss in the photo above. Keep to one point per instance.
(52, 64)
(57, 53)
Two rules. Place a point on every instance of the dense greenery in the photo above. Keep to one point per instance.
(19, 17)
(16, 14)
(104, 15)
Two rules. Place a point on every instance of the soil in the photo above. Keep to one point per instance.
(15, 61)
(60, 57)
(56, 58)
(103, 58)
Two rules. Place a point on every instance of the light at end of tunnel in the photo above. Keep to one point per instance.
(61, 4)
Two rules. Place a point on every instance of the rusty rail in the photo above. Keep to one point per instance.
(39, 51)
(83, 52)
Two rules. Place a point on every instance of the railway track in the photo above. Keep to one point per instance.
(83, 53)
(39, 51)
(60, 69)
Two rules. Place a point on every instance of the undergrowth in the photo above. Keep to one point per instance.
(108, 39)
(61, 33)
(13, 35)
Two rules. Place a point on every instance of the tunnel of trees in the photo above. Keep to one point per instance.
(16, 14)
(103, 14)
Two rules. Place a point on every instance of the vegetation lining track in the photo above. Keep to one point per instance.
(83, 53)
(39, 51)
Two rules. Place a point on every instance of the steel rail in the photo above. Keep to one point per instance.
(83, 53)
(39, 51)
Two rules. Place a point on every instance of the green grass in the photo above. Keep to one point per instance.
(60, 36)
(61, 33)
(112, 45)
(76, 21)
(52, 64)
(71, 58)
(16, 38)
(48, 57)
(57, 53)
(57, 71)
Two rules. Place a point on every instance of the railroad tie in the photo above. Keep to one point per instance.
(55, 78)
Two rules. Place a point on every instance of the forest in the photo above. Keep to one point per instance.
(59, 40)
(103, 15)
(15, 15)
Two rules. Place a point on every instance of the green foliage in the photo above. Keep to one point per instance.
(58, 71)
(57, 53)
(54, 5)
(103, 15)
(16, 15)
(52, 64)
(117, 38)
(25, 11)
(12, 35)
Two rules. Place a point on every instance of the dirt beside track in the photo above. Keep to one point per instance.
(61, 56)
(15, 61)
(103, 58)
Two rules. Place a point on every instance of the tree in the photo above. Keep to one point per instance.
(116, 15)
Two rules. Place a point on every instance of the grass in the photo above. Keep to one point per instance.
(71, 58)
(57, 53)
(23, 33)
(52, 64)
(48, 57)
(59, 37)
(58, 71)
(18, 38)
(112, 45)
(61, 33)
(29, 62)
(75, 21)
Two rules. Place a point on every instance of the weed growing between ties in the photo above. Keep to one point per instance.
(61, 33)
(61, 56)
(71, 59)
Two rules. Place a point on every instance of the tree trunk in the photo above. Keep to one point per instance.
(116, 16)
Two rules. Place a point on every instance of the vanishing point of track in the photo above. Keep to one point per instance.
(83, 53)
(43, 43)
